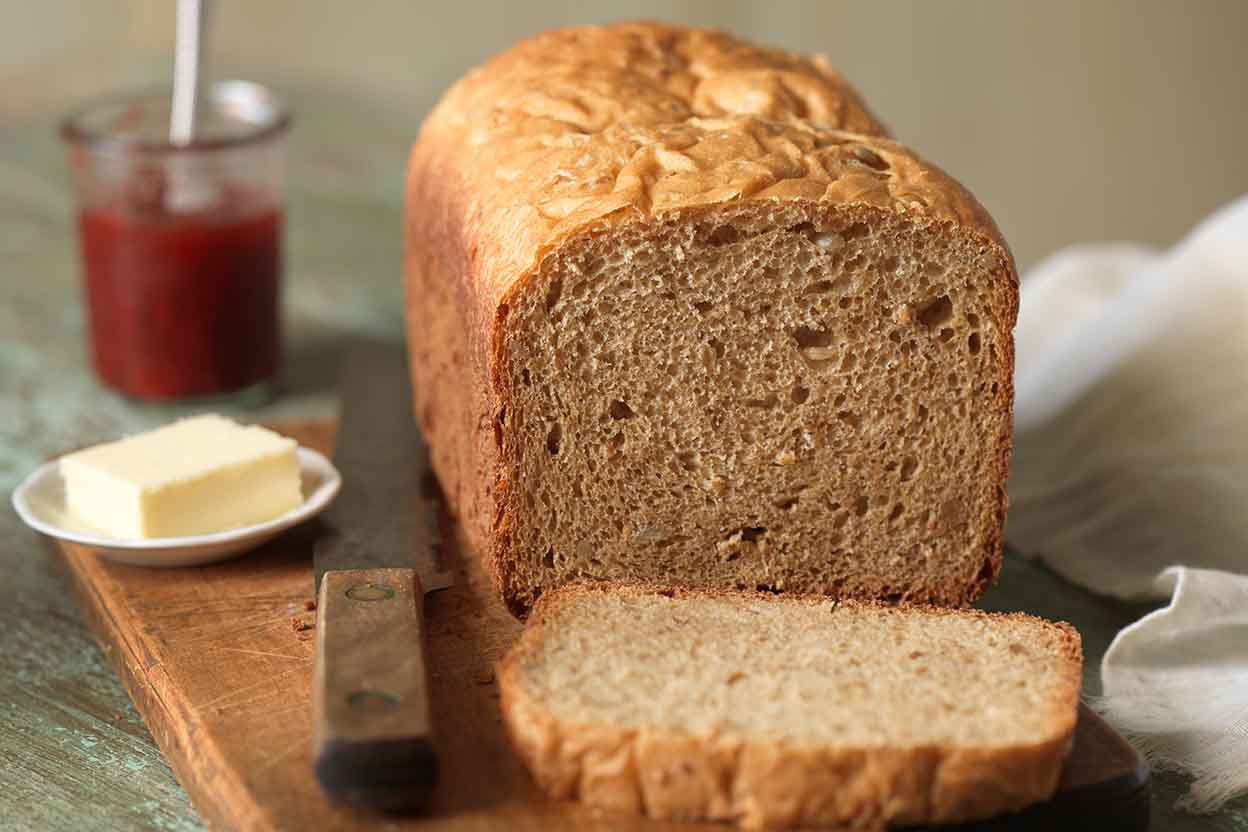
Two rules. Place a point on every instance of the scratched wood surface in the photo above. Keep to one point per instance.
(219, 661)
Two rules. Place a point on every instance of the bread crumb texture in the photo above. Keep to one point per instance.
(780, 712)
(680, 312)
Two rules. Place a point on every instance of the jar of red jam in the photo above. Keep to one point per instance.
(181, 244)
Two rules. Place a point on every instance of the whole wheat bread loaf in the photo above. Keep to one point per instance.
(680, 312)
(786, 711)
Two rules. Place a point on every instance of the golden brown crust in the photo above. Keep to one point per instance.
(778, 784)
(588, 128)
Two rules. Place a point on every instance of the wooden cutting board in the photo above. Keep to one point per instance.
(218, 660)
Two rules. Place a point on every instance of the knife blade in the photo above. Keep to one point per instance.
(378, 552)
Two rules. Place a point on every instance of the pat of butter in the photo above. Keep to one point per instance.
(197, 476)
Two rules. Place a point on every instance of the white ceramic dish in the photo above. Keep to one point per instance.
(40, 502)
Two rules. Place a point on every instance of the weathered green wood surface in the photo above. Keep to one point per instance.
(73, 754)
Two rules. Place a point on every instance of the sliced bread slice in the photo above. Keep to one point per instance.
(781, 711)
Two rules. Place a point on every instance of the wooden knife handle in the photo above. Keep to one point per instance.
(370, 695)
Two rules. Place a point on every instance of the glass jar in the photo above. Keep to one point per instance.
(181, 245)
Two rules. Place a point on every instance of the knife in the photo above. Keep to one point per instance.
(378, 553)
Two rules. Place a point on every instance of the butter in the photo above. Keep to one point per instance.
(197, 476)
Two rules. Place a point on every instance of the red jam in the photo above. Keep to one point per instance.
(183, 304)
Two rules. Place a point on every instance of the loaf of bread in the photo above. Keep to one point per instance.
(680, 312)
(788, 711)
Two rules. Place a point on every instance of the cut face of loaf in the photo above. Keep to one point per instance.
(772, 396)
(784, 712)
(669, 324)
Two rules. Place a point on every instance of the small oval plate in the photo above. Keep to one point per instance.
(40, 502)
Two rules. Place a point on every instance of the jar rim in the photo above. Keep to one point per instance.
(256, 109)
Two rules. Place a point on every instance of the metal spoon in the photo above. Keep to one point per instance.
(187, 63)
(188, 190)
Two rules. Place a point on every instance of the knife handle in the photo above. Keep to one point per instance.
(370, 695)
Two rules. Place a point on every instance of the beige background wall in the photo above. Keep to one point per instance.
(1073, 120)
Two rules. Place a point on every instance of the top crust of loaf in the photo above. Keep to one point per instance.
(578, 127)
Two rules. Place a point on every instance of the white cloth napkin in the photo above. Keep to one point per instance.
(1177, 682)
(1130, 477)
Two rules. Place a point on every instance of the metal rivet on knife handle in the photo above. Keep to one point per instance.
(372, 700)
(370, 592)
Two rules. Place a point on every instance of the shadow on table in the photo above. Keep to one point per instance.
(315, 365)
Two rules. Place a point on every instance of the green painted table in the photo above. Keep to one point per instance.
(73, 753)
